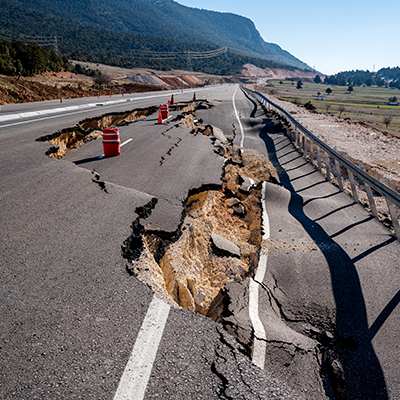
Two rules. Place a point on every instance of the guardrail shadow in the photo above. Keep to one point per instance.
(363, 374)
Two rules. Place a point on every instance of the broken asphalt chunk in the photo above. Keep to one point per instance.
(225, 245)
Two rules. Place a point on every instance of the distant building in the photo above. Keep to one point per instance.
(321, 98)
(393, 103)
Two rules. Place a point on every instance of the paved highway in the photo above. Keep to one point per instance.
(75, 324)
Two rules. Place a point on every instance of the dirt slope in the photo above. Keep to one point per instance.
(251, 71)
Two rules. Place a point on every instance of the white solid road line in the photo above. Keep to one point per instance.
(237, 116)
(260, 344)
(122, 144)
(105, 104)
(138, 369)
(126, 141)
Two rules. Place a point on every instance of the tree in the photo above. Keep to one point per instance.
(327, 107)
(393, 99)
(299, 84)
(341, 109)
(317, 79)
(387, 120)
(329, 91)
(101, 79)
(37, 62)
(309, 106)
(350, 89)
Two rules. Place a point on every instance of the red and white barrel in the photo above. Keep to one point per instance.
(164, 111)
(111, 142)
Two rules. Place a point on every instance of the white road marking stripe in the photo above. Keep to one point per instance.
(90, 105)
(107, 104)
(138, 369)
(260, 344)
(237, 116)
(126, 141)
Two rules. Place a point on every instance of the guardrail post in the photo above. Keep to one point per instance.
(393, 215)
(305, 147)
(328, 167)
(338, 174)
(301, 142)
(371, 200)
(319, 158)
(290, 132)
(353, 185)
(311, 152)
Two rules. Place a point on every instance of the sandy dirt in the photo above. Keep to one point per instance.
(262, 75)
(52, 86)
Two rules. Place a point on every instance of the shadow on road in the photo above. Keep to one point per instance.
(362, 371)
(87, 160)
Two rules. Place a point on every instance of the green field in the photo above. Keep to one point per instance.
(365, 104)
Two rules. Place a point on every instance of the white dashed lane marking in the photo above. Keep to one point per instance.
(133, 383)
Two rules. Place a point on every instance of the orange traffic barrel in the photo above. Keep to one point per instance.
(111, 142)
(164, 111)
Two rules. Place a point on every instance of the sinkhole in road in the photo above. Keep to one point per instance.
(217, 242)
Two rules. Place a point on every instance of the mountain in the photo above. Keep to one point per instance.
(167, 22)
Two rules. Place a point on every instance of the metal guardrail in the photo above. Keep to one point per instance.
(306, 140)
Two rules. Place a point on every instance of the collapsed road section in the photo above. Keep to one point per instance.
(205, 263)
(218, 241)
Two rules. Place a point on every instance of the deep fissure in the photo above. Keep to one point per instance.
(218, 240)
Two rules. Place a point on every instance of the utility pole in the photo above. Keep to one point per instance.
(189, 62)
(55, 43)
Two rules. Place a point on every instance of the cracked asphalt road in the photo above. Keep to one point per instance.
(70, 313)
(165, 161)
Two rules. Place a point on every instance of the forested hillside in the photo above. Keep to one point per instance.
(19, 59)
(128, 33)
(384, 77)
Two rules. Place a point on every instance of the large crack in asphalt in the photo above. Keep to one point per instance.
(90, 129)
(218, 241)
(214, 251)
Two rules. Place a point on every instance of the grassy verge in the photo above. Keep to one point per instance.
(363, 104)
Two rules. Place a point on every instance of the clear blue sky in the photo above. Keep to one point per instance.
(333, 36)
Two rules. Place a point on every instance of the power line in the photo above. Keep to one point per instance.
(189, 55)
(40, 40)
(51, 41)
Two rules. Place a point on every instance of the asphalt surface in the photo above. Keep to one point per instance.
(71, 314)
